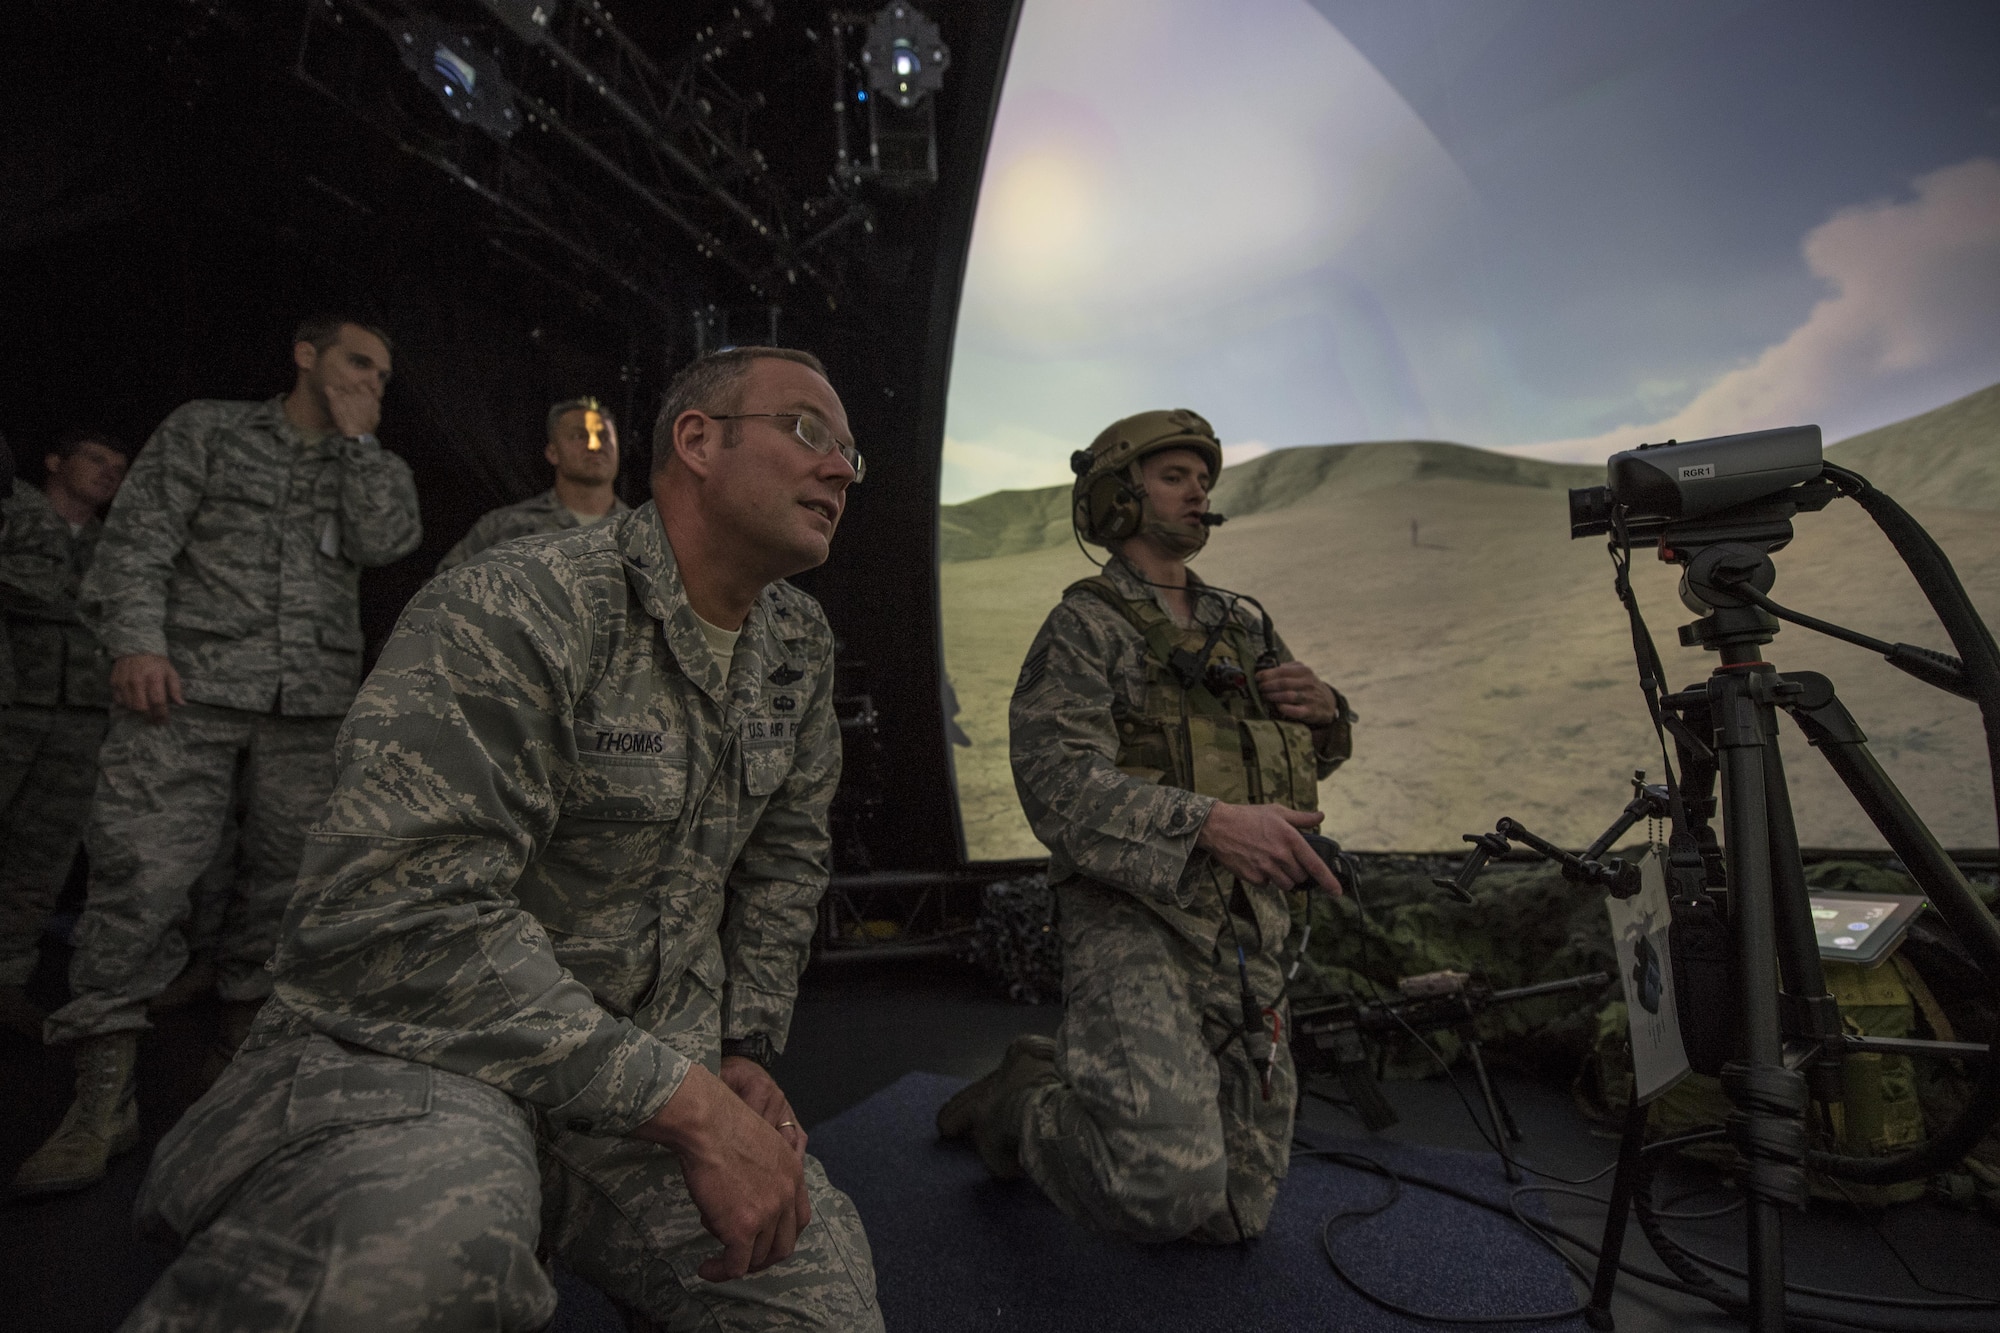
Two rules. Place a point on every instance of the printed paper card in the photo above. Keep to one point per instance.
(1639, 927)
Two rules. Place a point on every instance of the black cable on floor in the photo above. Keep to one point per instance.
(1647, 1218)
(1396, 1181)
(1733, 1206)
(1546, 1234)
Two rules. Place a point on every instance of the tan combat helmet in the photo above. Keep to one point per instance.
(1106, 504)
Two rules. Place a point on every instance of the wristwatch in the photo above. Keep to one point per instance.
(756, 1046)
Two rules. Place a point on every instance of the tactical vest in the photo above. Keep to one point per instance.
(1202, 725)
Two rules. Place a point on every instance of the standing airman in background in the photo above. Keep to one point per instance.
(226, 589)
(549, 933)
(583, 446)
(1167, 750)
(55, 713)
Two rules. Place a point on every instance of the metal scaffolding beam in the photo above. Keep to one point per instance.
(579, 140)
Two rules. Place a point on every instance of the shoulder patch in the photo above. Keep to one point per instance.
(1033, 669)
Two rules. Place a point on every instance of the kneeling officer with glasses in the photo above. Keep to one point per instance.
(548, 934)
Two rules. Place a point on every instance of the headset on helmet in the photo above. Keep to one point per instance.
(1106, 503)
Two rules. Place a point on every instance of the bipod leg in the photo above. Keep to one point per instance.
(1503, 1124)
(1506, 1111)
(1507, 1116)
(1612, 1247)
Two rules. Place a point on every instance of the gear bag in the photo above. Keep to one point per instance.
(1880, 1112)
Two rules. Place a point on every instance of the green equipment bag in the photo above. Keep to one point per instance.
(1890, 1102)
(1879, 1115)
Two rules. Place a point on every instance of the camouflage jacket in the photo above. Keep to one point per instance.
(531, 517)
(560, 838)
(56, 661)
(1085, 671)
(236, 547)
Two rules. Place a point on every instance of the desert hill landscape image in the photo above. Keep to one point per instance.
(1436, 585)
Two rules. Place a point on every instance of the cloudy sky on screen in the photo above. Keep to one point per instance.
(1556, 227)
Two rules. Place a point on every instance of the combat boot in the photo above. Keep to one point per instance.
(957, 1118)
(102, 1122)
(1029, 1063)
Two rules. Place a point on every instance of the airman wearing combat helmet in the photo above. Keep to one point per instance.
(1167, 750)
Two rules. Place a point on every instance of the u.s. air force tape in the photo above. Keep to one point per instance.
(768, 732)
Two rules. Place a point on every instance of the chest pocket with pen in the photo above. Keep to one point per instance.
(621, 810)
(628, 773)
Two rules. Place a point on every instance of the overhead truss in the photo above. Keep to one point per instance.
(591, 154)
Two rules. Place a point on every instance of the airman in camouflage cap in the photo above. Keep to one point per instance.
(1167, 750)
(550, 927)
(583, 448)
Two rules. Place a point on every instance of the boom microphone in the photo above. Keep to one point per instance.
(1213, 520)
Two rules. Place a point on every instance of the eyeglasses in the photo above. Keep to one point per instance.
(813, 433)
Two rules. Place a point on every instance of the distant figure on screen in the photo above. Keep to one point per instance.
(1168, 750)
(583, 447)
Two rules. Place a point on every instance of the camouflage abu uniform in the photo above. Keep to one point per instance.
(1156, 1125)
(55, 721)
(235, 548)
(567, 855)
(530, 518)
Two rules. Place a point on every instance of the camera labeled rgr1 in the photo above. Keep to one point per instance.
(1672, 482)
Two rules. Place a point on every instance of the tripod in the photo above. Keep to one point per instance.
(1787, 1041)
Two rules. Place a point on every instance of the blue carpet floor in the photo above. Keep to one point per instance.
(956, 1251)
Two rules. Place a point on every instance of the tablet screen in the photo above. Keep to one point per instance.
(1861, 928)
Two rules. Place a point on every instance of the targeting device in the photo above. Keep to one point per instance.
(1657, 485)
(1747, 934)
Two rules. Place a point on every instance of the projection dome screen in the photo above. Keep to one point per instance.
(1425, 266)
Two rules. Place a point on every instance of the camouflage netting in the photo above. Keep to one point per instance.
(1014, 941)
(1527, 924)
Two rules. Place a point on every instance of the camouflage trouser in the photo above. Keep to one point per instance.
(164, 795)
(209, 899)
(320, 1187)
(48, 768)
(1157, 1126)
